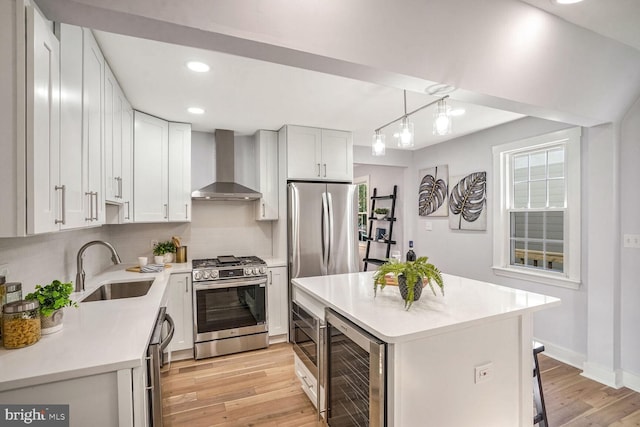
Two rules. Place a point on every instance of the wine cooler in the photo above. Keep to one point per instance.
(356, 375)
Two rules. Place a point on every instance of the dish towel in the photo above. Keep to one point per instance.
(152, 268)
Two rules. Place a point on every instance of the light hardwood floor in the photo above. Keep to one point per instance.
(259, 388)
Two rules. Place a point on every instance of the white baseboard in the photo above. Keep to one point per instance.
(564, 355)
(275, 339)
(631, 381)
(602, 374)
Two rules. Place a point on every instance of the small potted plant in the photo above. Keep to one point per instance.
(411, 277)
(52, 298)
(164, 249)
(381, 213)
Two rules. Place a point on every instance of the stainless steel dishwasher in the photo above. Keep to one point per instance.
(356, 374)
(157, 344)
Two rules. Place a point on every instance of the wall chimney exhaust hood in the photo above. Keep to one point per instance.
(225, 187)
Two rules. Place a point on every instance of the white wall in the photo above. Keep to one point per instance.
(469, 254)
(630, 258)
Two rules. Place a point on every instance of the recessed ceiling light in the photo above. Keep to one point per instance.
(567, 1)
(457, 112)
(198, 67)
(195, 110)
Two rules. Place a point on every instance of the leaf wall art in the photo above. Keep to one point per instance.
(467, 202)
(433, 191)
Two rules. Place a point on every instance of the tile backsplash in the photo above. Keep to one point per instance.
(217, 228)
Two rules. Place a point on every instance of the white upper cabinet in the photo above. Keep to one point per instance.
(267, 171)
(113, 106)
(150, 169)
(319, 154)
(161, 170)
(44, 194)
(75, 206)
(126, 183)
(92, 129)
(179, 172)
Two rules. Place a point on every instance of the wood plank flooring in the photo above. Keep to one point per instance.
(259, 388)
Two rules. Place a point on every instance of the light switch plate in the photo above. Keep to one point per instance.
(428, 225)
(483, 373)
(632, 241)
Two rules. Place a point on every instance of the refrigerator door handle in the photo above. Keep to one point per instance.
(295, 232)
(330, 236)
(325, 234)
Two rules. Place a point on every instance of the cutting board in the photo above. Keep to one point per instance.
(136, 269)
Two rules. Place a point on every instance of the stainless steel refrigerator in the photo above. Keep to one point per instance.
(322, 229)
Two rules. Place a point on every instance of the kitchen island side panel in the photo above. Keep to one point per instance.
(432, 380)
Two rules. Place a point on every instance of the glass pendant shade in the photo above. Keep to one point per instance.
(442, 119)
(405, 133)
(378, 146)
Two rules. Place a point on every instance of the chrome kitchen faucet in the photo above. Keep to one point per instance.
(80, 269)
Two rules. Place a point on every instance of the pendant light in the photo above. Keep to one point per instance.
(378, 146)
(405, 133)
(442, 118)
(405, 129)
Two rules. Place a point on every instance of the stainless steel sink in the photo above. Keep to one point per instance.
(119, 290)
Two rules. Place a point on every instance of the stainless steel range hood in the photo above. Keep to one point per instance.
(225, 187)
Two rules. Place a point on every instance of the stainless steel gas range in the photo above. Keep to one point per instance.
(229, 305)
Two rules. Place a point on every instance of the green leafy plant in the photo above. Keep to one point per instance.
(162, 248)
(411, 271)
(52, 297)
(381, 211)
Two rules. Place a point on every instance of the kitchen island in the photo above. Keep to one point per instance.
(433, 349)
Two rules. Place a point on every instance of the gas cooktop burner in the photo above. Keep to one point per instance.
(227, 261)
(227, 267)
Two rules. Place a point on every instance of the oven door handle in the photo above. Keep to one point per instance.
(231, 283)
(172, 327)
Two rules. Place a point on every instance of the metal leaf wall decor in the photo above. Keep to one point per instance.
(432, 195)
(467, 202)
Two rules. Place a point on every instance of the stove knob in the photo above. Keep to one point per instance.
(197, 275)
(205, 274)
(247, 272)
(263, 270)
(214, 274)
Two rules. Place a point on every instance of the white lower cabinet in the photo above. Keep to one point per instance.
(277, 301)
(180, 308)
(102, 400)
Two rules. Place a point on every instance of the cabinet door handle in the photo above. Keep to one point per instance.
(96, 194)
(166, 210)
(318, 169)
(128, 210)
(90, 194)
(186, 211)
(325, 170)
(186, 286)
(270, 277)
(119, 187)
(263, 210)
(63, 204)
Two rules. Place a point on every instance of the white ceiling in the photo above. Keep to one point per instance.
(244, 94)
(616, 19)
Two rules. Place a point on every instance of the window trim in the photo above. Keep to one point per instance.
(571, 277)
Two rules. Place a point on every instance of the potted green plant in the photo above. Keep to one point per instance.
(164, 249)
(411, 276)
(52, 298)
(381, 213)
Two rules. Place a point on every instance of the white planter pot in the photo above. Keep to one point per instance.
(51, 324)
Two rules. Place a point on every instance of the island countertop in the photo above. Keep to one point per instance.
(466, 302)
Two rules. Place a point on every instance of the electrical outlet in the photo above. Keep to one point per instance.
(4, 270)
(483, 373)
(153, 243)
(428, 225)
(632, 241)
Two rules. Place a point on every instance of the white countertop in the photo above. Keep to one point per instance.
(97, 337)
(466, 303)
